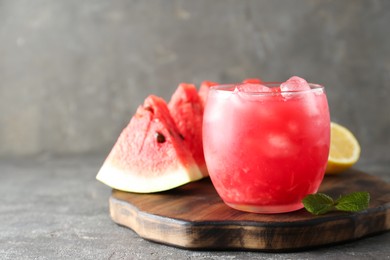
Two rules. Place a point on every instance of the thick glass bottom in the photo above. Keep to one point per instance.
(266, 209)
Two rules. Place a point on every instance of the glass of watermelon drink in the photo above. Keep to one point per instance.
(266, 145)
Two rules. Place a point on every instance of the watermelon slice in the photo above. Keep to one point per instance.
(149, 155)
(186, 109)
(204, 90)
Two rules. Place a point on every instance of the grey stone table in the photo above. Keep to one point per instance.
(53, 208)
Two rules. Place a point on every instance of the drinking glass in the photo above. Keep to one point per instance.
(265, 151)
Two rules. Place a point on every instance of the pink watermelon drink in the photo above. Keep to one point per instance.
(266, 145)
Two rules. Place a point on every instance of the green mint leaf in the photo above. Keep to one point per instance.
(353, 202)
(318, 203)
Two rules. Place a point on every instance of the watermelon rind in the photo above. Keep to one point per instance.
(132, 182)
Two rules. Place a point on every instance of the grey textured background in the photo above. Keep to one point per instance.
(73, 72)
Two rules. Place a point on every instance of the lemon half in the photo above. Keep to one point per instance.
(344, 149)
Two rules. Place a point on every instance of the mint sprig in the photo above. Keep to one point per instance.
(321, 203)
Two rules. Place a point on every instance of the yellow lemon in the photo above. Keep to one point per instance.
(344, 149)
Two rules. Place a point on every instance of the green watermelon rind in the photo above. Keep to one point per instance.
(129, 181)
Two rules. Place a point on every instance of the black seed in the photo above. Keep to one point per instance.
(181, 136)
(149, 108)
(159, 137)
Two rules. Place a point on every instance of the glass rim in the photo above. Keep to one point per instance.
(231, 87)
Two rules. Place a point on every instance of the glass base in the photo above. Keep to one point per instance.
(266, 209)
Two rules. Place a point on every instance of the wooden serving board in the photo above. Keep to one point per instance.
(194, 217)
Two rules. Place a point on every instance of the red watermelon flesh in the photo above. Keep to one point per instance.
(149, 155)
(186, 109)
(252, 80)
(204, 90)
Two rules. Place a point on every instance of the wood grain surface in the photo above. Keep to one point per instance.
(194, 217)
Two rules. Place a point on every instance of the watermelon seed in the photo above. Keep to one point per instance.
(181, 136)
(160, 137)
(149, 108)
